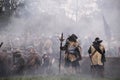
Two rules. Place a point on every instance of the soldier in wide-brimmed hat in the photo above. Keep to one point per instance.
(97, 55)
(72, 53)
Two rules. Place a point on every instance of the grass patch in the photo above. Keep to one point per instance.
(56, 78)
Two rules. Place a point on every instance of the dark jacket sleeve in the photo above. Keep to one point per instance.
(89, 50)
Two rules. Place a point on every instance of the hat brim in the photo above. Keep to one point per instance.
(99, 41)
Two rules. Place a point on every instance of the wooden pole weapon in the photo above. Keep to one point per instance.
(61, 41)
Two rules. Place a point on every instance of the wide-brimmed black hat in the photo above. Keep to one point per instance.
(97, 40)
(73, 37)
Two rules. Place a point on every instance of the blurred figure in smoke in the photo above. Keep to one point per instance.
(47, 47)
(97, 56)
(72, 54)
(3, 63)
(47, 57)
(34, 61)
(18, 63)
(45, 63)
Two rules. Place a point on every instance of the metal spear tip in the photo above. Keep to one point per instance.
(61, 37)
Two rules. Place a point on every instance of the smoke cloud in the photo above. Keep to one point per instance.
(52, 17)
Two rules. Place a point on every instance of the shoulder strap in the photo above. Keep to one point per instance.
(93, 52)
(98, 49)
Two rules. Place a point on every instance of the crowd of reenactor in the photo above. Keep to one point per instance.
(19, 61)
(39, 59)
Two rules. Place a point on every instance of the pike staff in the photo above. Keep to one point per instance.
(61, 41)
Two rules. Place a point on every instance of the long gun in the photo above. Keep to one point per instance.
(61, 41)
